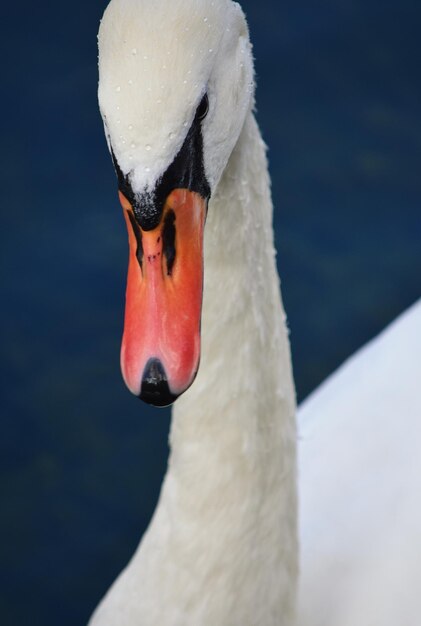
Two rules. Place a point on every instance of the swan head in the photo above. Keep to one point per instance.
(175, 86)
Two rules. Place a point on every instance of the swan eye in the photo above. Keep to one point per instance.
(203, 108)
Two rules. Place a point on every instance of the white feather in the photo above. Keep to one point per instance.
(221, 548)
(156, 61)
(360, 473)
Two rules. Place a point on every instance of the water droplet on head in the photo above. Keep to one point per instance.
(130, 82)
(118, 121)
(210, 49)
(118, 88)
(133, 145)
(147, 147)
(134, 51)
(118, 108)
(145, 57)
(171, 135)
(130, 126)
(147, 169)
(205, 19)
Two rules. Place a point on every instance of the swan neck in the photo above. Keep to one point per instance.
(231, 479)
(222, 545)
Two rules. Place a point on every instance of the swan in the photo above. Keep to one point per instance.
(176, 94)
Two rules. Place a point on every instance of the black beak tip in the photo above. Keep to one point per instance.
(155, 389)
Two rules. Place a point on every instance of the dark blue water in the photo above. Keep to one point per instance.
(339, 101)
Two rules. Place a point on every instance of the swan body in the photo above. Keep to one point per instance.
(221, 547)
(360, 502)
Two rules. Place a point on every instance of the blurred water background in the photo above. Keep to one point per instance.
(339, 101)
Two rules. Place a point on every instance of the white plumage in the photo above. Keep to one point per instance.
(222, 546)
(360, 477)
(157, 58)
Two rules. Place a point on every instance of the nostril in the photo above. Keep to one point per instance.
(155, 389)
(168, 240)
(138, 235)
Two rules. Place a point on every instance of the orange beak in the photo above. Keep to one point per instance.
(161, 342)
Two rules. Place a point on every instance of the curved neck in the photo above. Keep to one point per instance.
(222, 547)
(230, 485)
